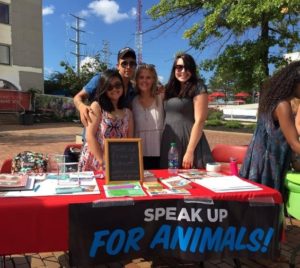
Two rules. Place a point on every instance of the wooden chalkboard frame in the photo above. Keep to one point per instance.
(123, 176)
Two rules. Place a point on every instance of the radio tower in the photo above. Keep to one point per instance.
(138, 37)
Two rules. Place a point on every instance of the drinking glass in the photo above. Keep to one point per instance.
(55, 161)
(68, 174)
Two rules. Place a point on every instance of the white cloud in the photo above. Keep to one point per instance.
(89, 60)
(82, 23)
(48, 10)
(83, 13)
(160, 78)
(48, 71)
(107, 10)
(133, 12)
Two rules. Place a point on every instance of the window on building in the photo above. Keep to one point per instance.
(4, 13)
(4, 54)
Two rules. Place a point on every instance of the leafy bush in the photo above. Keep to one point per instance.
(214, 122)
(250, 126)
(214, 114)
(233, 124)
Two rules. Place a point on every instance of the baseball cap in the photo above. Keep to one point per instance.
(126, 51)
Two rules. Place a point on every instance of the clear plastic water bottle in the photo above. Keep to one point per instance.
(173, 160)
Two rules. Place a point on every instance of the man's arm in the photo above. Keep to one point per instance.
(83, 109)
(81, 97)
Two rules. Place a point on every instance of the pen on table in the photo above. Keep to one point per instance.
(37, 187)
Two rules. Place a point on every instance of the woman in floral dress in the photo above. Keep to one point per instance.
(109, 119)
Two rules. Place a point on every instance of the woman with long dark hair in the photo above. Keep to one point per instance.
(109, 119)
(186, 108)
(276, 136)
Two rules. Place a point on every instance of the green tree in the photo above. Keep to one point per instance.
(249, 34)
(69, 79)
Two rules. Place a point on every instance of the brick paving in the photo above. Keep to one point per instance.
(52, 137)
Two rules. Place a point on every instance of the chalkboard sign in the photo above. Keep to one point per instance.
(123, 160)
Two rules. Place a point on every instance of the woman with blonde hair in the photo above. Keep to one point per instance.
(147, 109)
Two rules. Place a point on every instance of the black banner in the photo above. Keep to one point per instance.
(185, 229)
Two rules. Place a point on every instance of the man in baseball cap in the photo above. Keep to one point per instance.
(126, 52)
(126, 65)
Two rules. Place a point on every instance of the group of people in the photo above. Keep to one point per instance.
(130, 102)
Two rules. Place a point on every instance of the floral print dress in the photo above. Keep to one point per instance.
(108, 128)
(268, 156)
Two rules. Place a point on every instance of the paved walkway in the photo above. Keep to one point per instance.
(51, 138)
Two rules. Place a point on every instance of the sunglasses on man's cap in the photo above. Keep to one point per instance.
(126, 51)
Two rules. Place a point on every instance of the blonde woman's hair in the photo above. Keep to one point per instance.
(151, 68)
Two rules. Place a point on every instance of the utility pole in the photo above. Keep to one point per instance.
(139, 34)
(77, 42)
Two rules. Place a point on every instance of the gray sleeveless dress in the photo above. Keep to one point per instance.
(179, 120)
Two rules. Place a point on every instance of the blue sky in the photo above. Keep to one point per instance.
(113, 22)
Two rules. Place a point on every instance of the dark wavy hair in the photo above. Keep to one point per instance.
(173, 86)
(279, 87)
(102, 88)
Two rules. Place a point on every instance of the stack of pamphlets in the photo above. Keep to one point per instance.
(177, 182)
(15, 182)
(73, 182)
(124, 190)
(191, 173)
(194, 174)
(163, 191)
(152, 185)
(149, 176)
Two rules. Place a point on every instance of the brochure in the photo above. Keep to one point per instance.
(151, 185)
(193, 174)
(124, 190)
(149, 176)
(177, 182)
(174, 191)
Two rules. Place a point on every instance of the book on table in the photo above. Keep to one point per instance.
(16, 182)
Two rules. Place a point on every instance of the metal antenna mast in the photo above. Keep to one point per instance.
(139, 34)
(77, 42)
(106, 52)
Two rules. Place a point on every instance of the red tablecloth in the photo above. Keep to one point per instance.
(40, 224)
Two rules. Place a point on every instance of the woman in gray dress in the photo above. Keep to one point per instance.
(186, 108)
